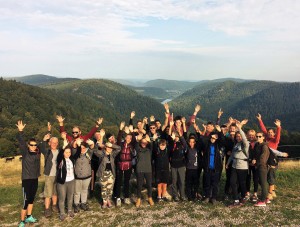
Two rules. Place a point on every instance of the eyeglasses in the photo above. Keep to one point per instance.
(259, 136)
(33, 145)
(152, 127)
(75, 132)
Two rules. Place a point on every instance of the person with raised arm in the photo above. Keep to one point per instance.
(239, 158)
(76, 132)
(31, 157)
(178, 147)
(273, 139)
(124, 162)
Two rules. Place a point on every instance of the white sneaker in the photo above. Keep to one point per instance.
(118, 203)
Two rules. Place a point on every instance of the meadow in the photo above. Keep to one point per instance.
(283, 211)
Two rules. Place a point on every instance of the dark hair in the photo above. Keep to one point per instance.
(210, 123)
(177, 118)
(32, 140)
(162, 141)
(271, 129)
(152, 123)
(68, 147)
(157, 121)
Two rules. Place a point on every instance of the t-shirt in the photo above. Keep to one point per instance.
(108, 164)
(70, 170)
(54, 163)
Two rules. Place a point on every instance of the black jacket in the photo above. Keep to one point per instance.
(61, 172)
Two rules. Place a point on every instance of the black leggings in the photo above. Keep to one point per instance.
(238, 179)
(29, 187)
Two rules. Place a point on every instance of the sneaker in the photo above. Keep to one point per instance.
(138, 203)
(84, 206)
(159, 199)
(254, 198)
(71, 214)
(243, 201)
(165, 199)
(76, 208)
(236, 203)
(260, 204)
(150, 201)
(48, 213)
(21, 224)
(55, 208)
(109, 204)
(118, 202)
(30, 219)
(268, 201)
(62, 217)
(205, 200)
(127, 201)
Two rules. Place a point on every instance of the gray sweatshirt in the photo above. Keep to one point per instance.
(240, 153)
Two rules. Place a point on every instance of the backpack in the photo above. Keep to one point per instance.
(273, 159)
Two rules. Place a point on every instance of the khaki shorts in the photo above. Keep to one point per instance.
(50, 186)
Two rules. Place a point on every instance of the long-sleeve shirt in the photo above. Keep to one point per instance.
(84, 137)
(273, 142)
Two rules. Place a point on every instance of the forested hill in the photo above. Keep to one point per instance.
(244, 100)
(40, 79)
(80, 102)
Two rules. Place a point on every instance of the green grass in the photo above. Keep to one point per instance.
(285, 210)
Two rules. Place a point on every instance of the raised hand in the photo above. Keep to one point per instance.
(147, 138)
(63, 135)
(49, 126)
(230, 120)
(99, 121)
(218, 128)
(197, 108)
(122, 125)
(258, 116)
(220, 112)
(166, 105)
(173, 135)
(47, 137)
(20, 126)
(132, 114)
(152, 118)
(277, 123)
(102, 133)
(126, 129)
(60, 119)
(171, 122)
(204, 126)
(145, 120)
(183, 119)
(155, 136)
(139, 137)
(243, 122)
(167, 115)
(90, 142)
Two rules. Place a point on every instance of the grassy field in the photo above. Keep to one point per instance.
(283, 211)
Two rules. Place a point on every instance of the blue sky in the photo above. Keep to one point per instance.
(144, 39)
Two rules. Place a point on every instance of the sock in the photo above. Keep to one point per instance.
(28, 215)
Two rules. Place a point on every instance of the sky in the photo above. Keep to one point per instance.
(150, 39)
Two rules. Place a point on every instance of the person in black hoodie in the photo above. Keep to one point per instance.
(31, 157)
(65, 178)
(178, 147)
(212, 163)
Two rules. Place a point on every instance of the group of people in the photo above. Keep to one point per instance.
(156, 154)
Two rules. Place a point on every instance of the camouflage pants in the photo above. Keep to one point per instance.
(107, 184)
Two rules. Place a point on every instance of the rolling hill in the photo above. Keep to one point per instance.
(40, 79)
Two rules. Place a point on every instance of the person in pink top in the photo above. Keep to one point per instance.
(273, 139)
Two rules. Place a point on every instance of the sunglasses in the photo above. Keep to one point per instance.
(152, 127)
(213, 138)
(33, 145)
(259, 136)
(75, 132)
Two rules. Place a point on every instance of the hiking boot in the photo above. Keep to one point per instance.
(109, 204)
(30, 219)
(84, 206)
(213, 201)
(176, 199)
(254, 198)
(127, 201)
(150, 201)
(76, 208)
(62, 217)
(138, 203)
(260, 204)
(21, 224)
(48, 213)
(205, 200)
(118, 202)
(71, 214)
(55, 208)
(270, 197)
